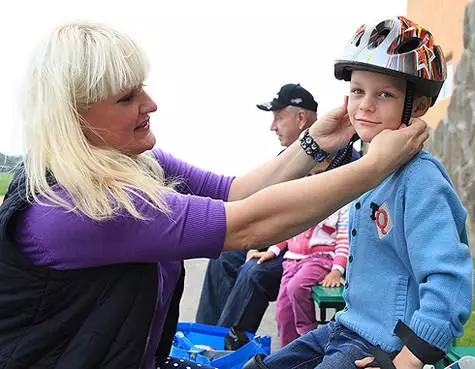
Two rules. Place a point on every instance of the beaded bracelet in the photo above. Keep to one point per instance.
(311, 147)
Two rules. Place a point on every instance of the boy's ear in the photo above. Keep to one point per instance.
(420, 106)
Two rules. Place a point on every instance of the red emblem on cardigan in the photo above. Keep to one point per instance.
(384, 222)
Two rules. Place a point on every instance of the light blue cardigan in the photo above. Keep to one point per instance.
(407, 261)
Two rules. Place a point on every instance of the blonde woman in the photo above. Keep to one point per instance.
(96, 225)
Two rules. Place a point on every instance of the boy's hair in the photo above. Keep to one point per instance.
(396, 47)
(78, 65)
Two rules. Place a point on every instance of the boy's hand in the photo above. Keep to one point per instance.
(366, 361)
(332, 279)
(404, 360)
(263, 256)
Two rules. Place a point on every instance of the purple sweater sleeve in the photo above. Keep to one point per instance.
(51, 236)
(196, 227)
(194, 180)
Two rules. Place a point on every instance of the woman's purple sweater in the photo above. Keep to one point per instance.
(51, 236)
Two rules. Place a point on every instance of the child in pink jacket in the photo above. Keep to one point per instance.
(316, 256)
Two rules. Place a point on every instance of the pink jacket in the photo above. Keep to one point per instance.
(329, 236)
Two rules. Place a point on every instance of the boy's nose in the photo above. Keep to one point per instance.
(367, 105)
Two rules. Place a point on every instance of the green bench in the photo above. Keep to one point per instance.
(332, 298)
(459, 351)
(455, 354)
(328, 298)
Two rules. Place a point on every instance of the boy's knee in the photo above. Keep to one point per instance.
(256, 362)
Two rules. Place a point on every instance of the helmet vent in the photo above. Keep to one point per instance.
(408, 45)
(357, 38)
(378, 37)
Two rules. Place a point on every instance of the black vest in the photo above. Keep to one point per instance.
(85, 318)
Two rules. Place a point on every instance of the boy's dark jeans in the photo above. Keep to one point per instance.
(330, 346)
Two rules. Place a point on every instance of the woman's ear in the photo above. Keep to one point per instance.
(420, 106)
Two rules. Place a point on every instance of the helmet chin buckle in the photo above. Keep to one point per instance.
(408, 102)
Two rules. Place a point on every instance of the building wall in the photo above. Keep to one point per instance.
(444, 18)
(453, 140)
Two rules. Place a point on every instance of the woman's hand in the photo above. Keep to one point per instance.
(334, 129)
(263, 256)
(332, 279)
(391, 149)
(282, 211)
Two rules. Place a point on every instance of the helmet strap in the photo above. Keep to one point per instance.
(408, 102)
(345, 155)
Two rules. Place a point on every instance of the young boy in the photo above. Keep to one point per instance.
(408, 282)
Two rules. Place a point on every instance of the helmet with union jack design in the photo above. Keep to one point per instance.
(397, 47)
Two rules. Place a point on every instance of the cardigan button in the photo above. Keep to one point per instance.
(347, 285)
(350, 258)
(357, 205)
(353, 232)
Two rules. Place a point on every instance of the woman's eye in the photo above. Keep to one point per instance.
(356, 91)
(132, 94)
(126, 98)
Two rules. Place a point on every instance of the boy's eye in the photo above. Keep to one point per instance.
(386, 94)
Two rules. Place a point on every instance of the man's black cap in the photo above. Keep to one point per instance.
(291, 94)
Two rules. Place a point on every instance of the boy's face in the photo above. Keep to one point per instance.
(376, 102)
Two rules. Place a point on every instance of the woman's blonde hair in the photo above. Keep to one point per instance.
(79, 65)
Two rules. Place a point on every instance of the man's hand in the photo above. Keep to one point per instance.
(334, 129)
(249, 254)
(332, 279)
(263, 256)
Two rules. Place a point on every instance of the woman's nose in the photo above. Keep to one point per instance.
(148, 106)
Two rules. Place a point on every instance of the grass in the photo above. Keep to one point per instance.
(5, 179)
(468, 338)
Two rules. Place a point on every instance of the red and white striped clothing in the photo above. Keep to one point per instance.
(329, 236)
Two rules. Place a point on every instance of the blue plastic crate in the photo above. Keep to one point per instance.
(191, 334)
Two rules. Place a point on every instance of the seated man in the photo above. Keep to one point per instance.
(236, 293)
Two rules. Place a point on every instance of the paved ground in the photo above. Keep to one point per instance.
(195, 270)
